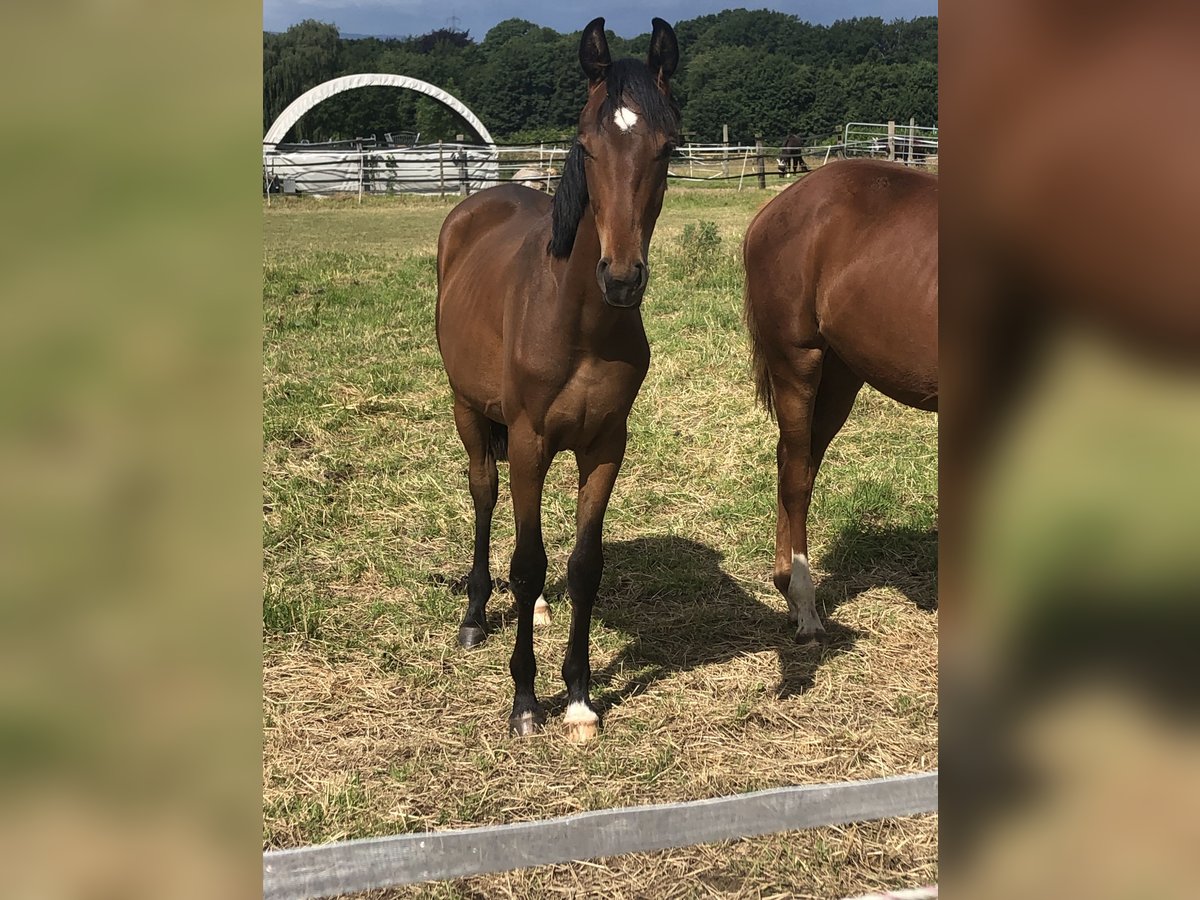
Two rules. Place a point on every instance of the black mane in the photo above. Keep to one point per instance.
(628, 82)
(570, 200)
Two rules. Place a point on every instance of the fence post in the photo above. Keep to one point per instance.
(361, 163)
(725, 152)
(762, 170)
(912, 133)
(892, 140)
(441, 169)
(461, 156)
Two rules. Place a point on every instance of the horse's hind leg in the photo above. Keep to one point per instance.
(475, 429)
(820, 395)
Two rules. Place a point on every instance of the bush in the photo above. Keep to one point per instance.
(702, 243)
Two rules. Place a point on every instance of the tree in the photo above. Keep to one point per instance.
(301, 58)
(757, 70)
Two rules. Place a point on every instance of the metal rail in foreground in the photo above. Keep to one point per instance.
(332, 869)
(929, 892)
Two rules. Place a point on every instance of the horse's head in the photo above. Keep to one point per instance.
(627, 130)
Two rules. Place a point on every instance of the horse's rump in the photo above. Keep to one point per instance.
(847, 258)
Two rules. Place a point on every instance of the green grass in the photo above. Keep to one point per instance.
(376, 722)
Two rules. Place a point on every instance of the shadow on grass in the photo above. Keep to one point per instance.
(682, 611)
(864, 557)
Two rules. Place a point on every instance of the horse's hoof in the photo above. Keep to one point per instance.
(526, 724)
(470, 636)
(810, 635)
(582, 732)
(581, 723)
(541, 613)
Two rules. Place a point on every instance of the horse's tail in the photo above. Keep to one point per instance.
(498, 441)
(763, 388)
(758, 362)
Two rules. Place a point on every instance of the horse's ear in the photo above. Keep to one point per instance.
(593, 51)
(664, 51)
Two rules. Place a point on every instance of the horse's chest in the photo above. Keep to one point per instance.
(589, 398)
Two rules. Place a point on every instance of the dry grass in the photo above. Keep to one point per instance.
(375, 722)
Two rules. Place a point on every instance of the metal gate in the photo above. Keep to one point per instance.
(903, 142)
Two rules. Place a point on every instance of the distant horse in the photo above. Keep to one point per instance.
(541, 334)
(538, 179)
(841, 288)
(791, 158)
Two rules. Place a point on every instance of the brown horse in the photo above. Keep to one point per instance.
(540, 330)
(841, 288)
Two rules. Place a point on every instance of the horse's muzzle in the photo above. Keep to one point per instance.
(623, 291)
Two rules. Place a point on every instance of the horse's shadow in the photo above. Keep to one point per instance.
(863, 557)
(681, 611)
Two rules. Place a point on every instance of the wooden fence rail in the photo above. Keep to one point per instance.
(341, 868)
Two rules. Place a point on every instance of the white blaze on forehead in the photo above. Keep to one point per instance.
(625, 118)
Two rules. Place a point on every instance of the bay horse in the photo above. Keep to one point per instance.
(791, 156)
(540, 331)
(841, 289)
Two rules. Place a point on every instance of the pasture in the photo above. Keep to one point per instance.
(375, 722)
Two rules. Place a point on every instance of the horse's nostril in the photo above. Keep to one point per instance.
(602, 273)
(643, 274)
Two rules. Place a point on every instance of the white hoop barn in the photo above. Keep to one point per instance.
(424, 168)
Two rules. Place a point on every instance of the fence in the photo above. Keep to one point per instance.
(346, 867)
(911, 144)
(459, 168)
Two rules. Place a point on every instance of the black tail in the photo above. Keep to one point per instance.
(499, 441)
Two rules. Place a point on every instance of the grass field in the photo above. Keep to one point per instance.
(375, 722)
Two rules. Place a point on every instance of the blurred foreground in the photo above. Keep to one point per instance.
(1070, 439)
(131, 708)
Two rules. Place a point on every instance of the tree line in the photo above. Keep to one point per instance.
(758, 71)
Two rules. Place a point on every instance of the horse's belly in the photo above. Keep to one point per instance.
(472, 352)
(890, 342)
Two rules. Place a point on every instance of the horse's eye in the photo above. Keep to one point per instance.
(666, 151)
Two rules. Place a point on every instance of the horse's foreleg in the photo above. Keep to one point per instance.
(598, 468)
(475, 431)
(528, 463)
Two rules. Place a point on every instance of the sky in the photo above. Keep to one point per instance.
(626, 18)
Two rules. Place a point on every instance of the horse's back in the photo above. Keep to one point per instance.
(487, 223)
(481, 249)
(847, 258)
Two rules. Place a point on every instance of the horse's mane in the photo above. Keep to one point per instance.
(628, 82)
(570, 200)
